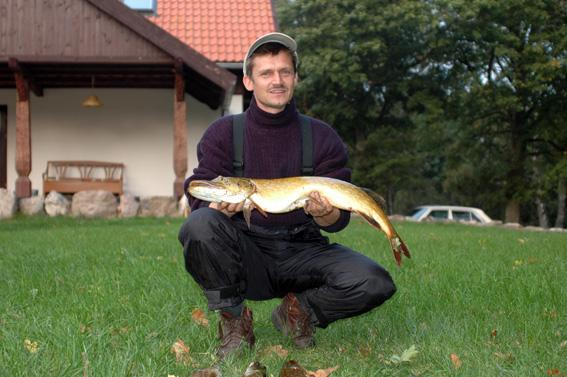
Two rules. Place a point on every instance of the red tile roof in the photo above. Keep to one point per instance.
(222, 30)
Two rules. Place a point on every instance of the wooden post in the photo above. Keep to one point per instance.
(179, 132)
(23, 137)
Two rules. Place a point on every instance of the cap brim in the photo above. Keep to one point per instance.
(280, 38)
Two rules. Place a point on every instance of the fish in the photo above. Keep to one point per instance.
(283, 195)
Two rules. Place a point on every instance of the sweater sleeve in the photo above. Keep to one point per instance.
(214, 156)
(330, 156)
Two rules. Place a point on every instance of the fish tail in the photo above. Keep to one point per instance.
(399, 248)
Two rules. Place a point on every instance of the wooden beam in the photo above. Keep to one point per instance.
(23, 138)
(179, 81)
(179, 135)
(3, 146)
(17, 68)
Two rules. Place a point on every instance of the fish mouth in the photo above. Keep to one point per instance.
(207, 190)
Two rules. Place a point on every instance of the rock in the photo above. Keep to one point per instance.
(158, 206)
(94, 203)
(128, 206)
(7, 204)
(32, 206)
(56, 204)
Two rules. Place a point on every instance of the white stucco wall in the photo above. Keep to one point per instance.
(133, 126)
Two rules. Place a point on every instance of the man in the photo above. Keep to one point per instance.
(282, 255)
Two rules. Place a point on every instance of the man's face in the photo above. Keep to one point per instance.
(273, 81)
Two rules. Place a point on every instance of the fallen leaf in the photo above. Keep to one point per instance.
(31, 346)
(407, 356)
(209, 372)
(181, 352)
(553, 372)
(504, 356)
(563, 344)
(200, 318)
(322, 372)
(457, 363)
(277, 349)
(493, 333)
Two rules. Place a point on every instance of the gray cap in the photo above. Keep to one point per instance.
(280, 38)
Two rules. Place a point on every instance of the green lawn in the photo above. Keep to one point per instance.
(110, 297)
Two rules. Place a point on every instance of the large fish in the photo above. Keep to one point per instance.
(286, 194)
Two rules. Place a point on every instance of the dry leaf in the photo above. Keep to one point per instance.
(277, 349)
(322, 372)
(553, 372)
(181, 352)
(493, 333)
(504, 356)
(563, 344)
(457, 363)
(31, 346)
(200, 318)
(209, 372)
(407, 356)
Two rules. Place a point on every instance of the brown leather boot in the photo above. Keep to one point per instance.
(292, 320)
(235, 332)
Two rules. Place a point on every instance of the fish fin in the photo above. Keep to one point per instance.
(376, 197)
(370, 220)
(256, 206)
(399, 248)
(247, 211)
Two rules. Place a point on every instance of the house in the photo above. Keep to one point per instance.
(162, 73)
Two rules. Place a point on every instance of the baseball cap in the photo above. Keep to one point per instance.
(275, 37)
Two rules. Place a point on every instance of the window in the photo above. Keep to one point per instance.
(462, 216)
(439, 215)
(142, 5)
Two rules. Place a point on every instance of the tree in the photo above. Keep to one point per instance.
(511, 58)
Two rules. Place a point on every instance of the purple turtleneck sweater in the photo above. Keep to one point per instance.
(272, 149)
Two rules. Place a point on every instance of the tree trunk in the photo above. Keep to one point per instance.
(561, 194)
(512, 214)
(541, 213)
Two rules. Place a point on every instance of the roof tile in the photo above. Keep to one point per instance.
(221, 30)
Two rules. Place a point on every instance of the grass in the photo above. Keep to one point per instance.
(110, 297)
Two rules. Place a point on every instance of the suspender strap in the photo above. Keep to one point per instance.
(238, 122)
(238, 144)
(306, 145)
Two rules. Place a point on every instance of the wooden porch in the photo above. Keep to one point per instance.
(73, 43)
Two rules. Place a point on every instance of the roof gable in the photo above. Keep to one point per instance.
(222, 30)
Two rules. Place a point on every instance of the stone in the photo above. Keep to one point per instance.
(94, 203)
(128, 206)
(56, 204)
(158, 206)
(32, 206)
(7, 204)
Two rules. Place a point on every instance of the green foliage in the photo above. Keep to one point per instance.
(461, 99)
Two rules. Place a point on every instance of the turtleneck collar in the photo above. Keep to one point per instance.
(262, 118)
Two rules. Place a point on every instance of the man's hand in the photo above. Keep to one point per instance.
(322, 211)
(228, 209)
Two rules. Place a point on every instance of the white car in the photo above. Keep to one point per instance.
(449, 213)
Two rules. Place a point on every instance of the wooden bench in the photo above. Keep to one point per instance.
(69, 177)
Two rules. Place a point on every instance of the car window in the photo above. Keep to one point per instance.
(462, 216)
(417, 212)
(475, 218)
(439, 215)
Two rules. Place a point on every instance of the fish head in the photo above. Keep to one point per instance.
(222, 189)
